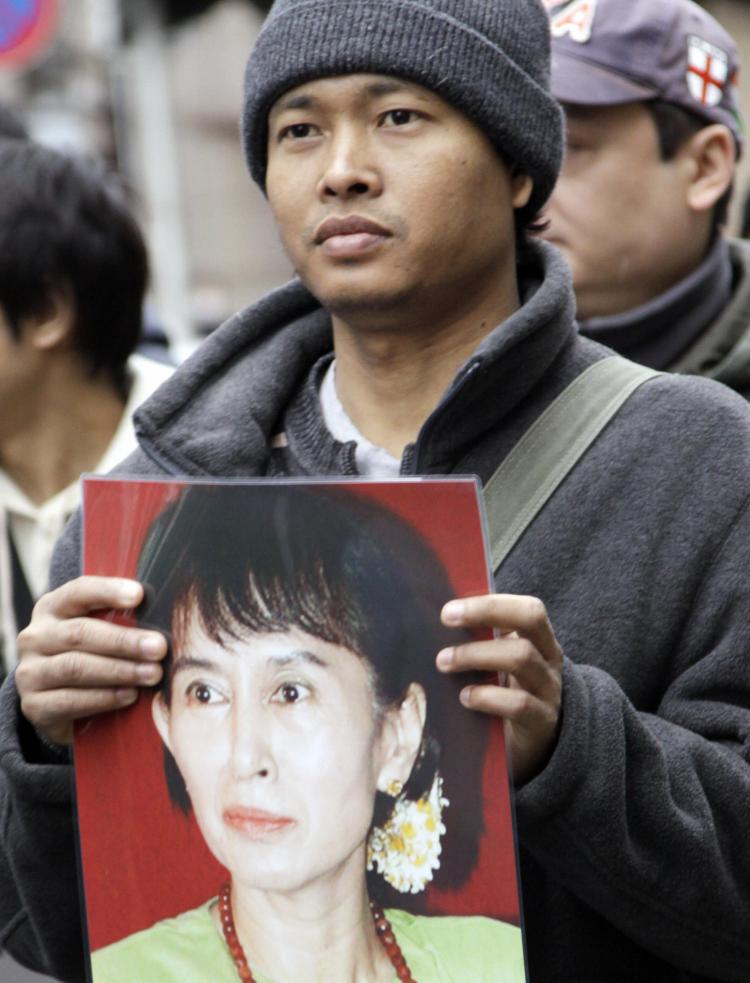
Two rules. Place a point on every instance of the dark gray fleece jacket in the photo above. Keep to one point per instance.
(635, 855)
(700, 326)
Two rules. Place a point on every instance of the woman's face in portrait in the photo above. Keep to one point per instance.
(282, 750)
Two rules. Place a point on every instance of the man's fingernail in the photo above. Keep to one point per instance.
(445, 659)
(150, 647)
(148, 673)
(126, 696)
(130, 594)
(465, 696)
(454, 611)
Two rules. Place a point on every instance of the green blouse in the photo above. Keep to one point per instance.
(188, 949)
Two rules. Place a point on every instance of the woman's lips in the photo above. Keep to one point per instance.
(256, 823)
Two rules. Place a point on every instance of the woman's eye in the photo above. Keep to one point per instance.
(203, 693)
(400, 117)
(291, 693)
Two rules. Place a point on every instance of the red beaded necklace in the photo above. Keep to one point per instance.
(382, 927)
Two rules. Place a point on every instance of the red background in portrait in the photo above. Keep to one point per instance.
(142, 859)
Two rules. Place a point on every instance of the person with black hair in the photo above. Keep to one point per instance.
(654, 131)
(73, 273)
(312, 739)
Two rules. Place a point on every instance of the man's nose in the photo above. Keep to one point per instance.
(350, 169)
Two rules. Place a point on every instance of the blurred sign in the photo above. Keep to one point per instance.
(26, 29)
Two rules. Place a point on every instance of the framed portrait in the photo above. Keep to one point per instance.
(303, 787)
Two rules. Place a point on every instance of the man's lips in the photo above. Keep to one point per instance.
(349, 236)
(348, 225)
(256, 822)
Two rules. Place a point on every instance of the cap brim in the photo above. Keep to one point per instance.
(583, 83)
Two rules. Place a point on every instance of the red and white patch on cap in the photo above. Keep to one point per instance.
(708, 71)
(576, 20)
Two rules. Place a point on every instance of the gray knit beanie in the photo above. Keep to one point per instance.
(488, 58)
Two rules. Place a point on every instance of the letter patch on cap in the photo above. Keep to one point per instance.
(708, 71)
(575, 20)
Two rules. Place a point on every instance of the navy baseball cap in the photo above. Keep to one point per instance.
(610, 52)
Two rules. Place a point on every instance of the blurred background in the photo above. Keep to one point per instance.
(155, 87)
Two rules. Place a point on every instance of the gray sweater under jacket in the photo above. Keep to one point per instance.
(634, 844)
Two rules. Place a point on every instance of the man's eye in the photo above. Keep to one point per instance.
(298, 131)
(291, 693)
(400, 117)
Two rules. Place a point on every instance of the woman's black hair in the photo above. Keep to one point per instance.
(342, 568)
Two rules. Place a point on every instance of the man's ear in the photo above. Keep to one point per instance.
(522, 186)
(712, 154)
(401, 737)
(54, 327)
(160, 716)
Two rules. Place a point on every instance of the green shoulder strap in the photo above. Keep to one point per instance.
(553, 445)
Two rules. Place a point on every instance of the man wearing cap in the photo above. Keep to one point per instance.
(404, 147)
(653, 133)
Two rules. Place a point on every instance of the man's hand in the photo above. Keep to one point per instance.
(528, 660)
(73, 665)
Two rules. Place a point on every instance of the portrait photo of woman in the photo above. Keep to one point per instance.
(331, 770)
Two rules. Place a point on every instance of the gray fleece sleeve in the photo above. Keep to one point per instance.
(40, 919)
(644, 816)
(40, 911)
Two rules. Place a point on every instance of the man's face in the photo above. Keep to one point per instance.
(619, 212)
(387, 198)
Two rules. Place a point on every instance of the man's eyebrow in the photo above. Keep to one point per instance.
(575, 112)
(373, 90)
(388, 87)
(294, 102)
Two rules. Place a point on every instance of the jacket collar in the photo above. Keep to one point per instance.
(722, 352)
(660, 331)
(220, 411)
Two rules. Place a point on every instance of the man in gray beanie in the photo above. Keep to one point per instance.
(404, 146)
(487, 59)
